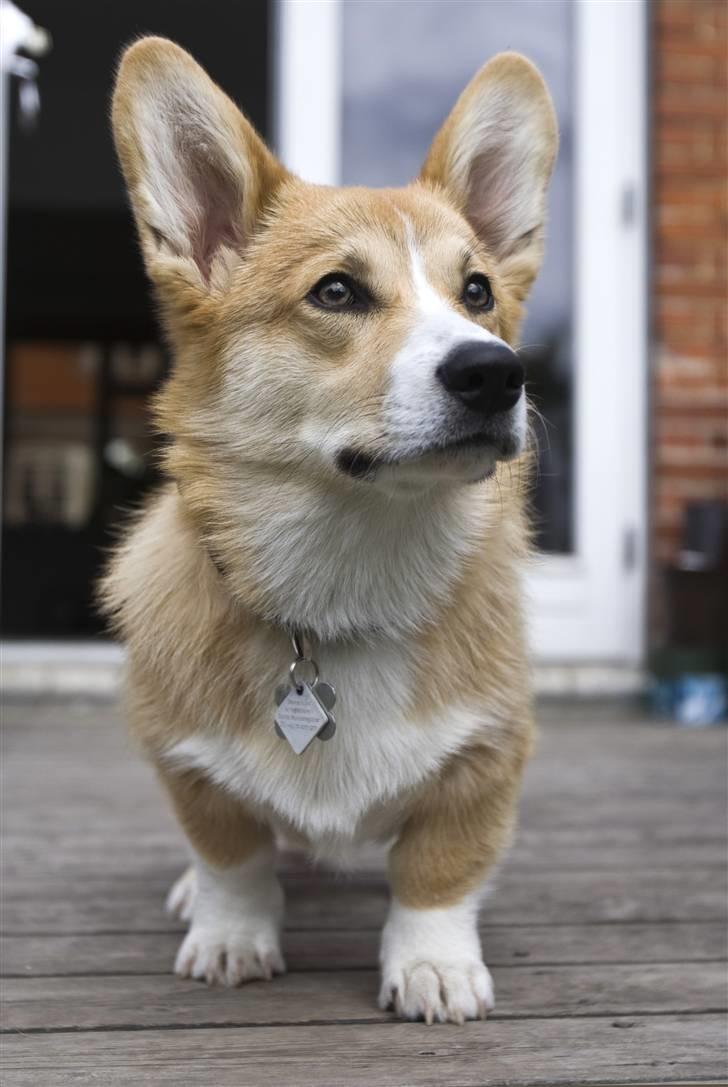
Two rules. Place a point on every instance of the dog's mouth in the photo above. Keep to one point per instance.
(358, 464)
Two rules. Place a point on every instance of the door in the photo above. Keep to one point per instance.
(361, 89)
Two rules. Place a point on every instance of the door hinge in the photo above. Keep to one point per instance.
(628, 204)
(629, 548)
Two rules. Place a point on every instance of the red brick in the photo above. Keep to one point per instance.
(666, 43)
(677, 101)
(703, 155)
(689, 154)
(695, 69)
(710, 194)
(699, 460)
(700, 21)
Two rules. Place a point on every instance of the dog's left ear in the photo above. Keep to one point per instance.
(494, 156)
(198, 174)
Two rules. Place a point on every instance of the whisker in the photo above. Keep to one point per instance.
(545, 424)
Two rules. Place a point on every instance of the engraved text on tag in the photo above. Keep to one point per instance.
(300, 717)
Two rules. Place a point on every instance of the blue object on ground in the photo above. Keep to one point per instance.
(692, 699)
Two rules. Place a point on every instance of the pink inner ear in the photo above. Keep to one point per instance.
(217, 216)
(495, 198)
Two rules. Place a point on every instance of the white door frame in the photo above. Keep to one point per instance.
(589, 606)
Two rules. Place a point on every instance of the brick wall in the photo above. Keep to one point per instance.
(690, 390)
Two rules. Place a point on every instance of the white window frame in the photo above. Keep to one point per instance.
(588, 606)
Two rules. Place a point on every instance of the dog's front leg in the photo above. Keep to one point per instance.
(432, 966)
(234, 899)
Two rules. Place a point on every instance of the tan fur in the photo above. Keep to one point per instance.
(219, 828)
(252, 365)
(457, 827)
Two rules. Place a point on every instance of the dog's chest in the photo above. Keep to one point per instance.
(353, 784)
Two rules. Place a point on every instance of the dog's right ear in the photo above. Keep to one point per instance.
(494, 155)
(198, 174)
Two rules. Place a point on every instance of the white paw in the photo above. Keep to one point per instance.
(236, 916)
(230, 954)
(437, 991)
(180, 901)
(432, 968)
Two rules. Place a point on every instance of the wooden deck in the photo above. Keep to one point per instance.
(605, 935)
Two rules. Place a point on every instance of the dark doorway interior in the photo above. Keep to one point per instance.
(83, 349)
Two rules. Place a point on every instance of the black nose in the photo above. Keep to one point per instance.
(485, 377)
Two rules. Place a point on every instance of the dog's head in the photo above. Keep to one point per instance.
(353, 335)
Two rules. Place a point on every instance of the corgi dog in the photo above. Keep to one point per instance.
(322, 607)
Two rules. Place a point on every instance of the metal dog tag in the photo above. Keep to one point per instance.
(304, 706)
(327, 697)
(325, 694)
(329, 728)
(300, 717)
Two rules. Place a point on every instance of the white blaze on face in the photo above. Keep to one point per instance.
(417, 408)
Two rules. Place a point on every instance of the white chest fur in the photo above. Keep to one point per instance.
(341, 563)
(352, 785)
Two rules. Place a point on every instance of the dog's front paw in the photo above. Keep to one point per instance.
(437, 991)
(236, 920)
(230, 954)
(431, 964)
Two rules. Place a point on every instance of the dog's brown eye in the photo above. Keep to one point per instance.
(335, 291)
(477, 293)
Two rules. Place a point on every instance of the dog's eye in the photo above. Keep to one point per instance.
(336, 291)
(477, 293)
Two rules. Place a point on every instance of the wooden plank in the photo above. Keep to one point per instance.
(37, 903)
(578, 821)
(535, 1052)
(107, 769)
(158, 1001)
(72, 848)
(153, 953)
(622, 822)
(89, 845)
